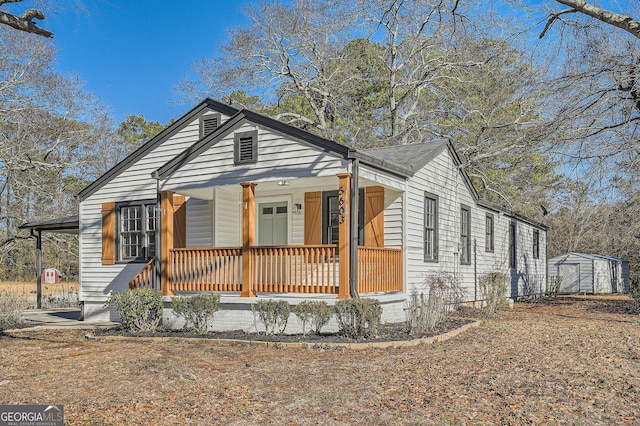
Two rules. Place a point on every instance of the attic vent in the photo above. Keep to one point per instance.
(209, 123)
(246, 147)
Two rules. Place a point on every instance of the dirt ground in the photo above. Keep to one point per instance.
(570, 360)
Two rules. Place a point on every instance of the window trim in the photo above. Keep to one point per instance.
(204, 118)
(325, 215)
(143, 232)
(253, 134)
(536, 244)
(465, 211)
(513, 246)
(489, 238)
(436, 218)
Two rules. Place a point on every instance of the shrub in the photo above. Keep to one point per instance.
(494, 291)
(316, 312)
(448, 286)
(11, 307)
(634, 292)
(358, 318)
(197, 310)
(273, 314)
(424, 312)
(139, 309)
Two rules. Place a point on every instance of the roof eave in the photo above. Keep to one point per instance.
(152, 143)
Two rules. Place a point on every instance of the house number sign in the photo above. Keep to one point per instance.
(341, 203)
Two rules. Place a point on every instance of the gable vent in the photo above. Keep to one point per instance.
(246, 146)
(208, 124)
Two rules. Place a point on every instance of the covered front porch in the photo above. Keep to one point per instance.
(338, 256)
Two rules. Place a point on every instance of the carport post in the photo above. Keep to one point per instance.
(38, 236)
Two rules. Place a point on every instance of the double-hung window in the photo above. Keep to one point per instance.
(536, 244)
(465, 234)
(430, 227)
(513, 260)
(488, 237)
(137, 225)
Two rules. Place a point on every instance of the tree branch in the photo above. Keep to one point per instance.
(553, 18)
(24, 22)
(624, 22)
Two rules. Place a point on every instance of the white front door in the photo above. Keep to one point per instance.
(273, 221)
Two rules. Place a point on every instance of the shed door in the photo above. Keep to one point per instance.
(570, 273)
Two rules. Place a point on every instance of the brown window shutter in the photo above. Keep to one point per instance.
(374, 216)
(313, 218)
(109, 233)
(179, 221)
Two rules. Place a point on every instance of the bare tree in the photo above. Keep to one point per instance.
(51, 139)
(24, 22)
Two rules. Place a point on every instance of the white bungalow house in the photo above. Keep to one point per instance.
(233, 202)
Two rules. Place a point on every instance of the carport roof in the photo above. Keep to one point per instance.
(67, 225)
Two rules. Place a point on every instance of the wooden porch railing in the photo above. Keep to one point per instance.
(206, 269)
(282, 269)
(379, 270)
(146, 278)
(295, 269)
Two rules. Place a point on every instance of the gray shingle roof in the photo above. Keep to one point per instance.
(413, 157)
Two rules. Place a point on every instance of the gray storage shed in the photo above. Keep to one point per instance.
(590, 273)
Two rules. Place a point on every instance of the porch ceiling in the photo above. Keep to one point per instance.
(272, 186)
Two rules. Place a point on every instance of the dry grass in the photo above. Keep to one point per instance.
(560, 361)
(64, 290)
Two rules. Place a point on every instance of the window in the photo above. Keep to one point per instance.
(488, 233)
(512, 245)
(430, 227)
(536, 244)
(137, 225)
(465, 234)
(245, 148)
(209, 123)
(331, 217)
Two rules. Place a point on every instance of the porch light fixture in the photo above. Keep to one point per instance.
(283, 183)
(297, 209)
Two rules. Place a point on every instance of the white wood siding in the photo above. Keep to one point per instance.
(393, 208)
(228, 218)
(199, 223)
(278, 158)
(134, 183)
(441, 177)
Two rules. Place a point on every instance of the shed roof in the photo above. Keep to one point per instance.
(67, 225)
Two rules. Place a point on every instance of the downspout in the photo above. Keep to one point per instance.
(355, 214)
(158, 227)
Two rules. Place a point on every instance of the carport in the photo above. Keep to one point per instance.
(63, 225)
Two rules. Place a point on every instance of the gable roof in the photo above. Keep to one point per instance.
(591, 257)
(413, 156)
(315, 141)
(172, 129)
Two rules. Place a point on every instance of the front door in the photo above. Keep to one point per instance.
(273, 224)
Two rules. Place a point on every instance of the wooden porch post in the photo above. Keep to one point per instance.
(248, 237)
(166, 240)
(344, 245)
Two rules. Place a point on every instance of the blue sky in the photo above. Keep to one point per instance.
(131, 53)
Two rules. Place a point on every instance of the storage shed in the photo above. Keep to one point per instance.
(590, 273)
